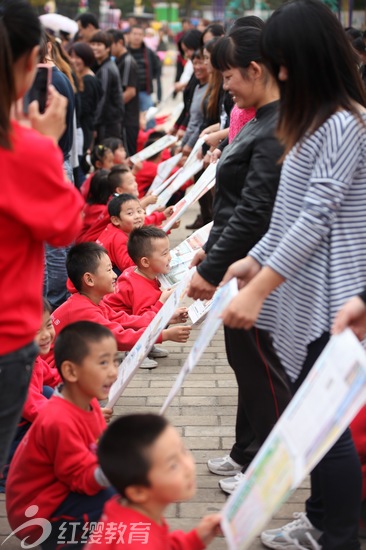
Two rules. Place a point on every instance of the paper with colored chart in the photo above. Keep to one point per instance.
(223, 297)
(321, 410)
(182, 256)
(202, 186)
(135, 357)
(153, 149)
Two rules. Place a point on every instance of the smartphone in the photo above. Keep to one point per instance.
(39, 89)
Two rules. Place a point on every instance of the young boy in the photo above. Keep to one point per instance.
(90, 270)
(126, 213)
(54, 475)
(145, 460)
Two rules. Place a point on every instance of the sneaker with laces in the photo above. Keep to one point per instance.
(148, 364)
(298, 534)
(158, 353)
(229, 484)
(224, 466)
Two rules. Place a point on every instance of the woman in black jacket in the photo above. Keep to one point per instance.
(246, 184)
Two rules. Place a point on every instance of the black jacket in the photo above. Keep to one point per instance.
(110, 108)
(247, 179)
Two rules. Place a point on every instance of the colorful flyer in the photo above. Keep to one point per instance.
(321, 410)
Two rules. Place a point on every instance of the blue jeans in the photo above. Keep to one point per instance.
(145, 103)
(71, 520)
(15, 373)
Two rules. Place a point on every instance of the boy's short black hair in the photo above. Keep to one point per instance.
(114, 206)
(117, 35)
(102, 38)
(83, 258)
(87, 19)
(72, 344)
(116, 175)
(123, 451)
(140, 242)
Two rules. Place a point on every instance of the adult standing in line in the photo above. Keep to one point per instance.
(88, 26)
(109, 115)
(247, 178)
(312, 259)
(37, 204)
(148, 63)
(128, 71)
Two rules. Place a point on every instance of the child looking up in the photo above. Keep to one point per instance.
(145, 460)
(56, 470)
(126, 214)
(90, 270)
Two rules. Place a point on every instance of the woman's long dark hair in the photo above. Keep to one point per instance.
(214, 85)
(306, 38)
(237, 50)
(20, 32)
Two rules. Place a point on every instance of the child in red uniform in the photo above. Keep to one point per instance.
(90, 270)
(145, 460)
(55, 470)
(41, 385)
(95, 213)
(101, 159)
(126, 214)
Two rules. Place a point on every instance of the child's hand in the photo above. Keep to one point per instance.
(175, 225)
(180, 316)
(165, 295)
(136, 167)
(107, 413)
(52, 122)
(148, 199)
(177, 334)
(169, 211)
(208, 528)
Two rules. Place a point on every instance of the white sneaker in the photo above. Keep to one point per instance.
(158, 353)
(148, 364)
(298, 534)
(224, 466)
(229, 484)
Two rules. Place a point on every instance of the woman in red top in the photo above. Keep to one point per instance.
(37, 205)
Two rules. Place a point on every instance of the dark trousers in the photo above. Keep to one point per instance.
(15, 373)
(336, 482)
(130, 135)
(112, 129)
(263, 389)
(71, 521)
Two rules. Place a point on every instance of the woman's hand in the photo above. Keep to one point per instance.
(52, 122)
(216, 154)
(198, 258)
(200, 289)
(243, 310)
(352, 315)
(244, 270)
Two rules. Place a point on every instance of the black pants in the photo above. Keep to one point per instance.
(263, 389)
(336, 482)
(130, 134)
(112, 129)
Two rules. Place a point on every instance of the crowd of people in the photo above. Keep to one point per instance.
(280, 106)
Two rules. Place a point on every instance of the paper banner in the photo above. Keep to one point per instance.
(154, 148)
(223, 297)
(164, 170)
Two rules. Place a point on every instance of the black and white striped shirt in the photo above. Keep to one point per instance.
(317, 237)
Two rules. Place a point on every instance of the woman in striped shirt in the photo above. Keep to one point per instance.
(312, 258)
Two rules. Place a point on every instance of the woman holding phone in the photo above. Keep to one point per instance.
(312, 259)
(37, 205)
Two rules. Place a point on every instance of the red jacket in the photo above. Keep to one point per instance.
(123, 527)
(146, 176)
(42, 375)
(57, 456)
(358, 429)
(135, 294)
(115, 241)
(80, 308)
(84, 189)
(95, 220)
(37, 205)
